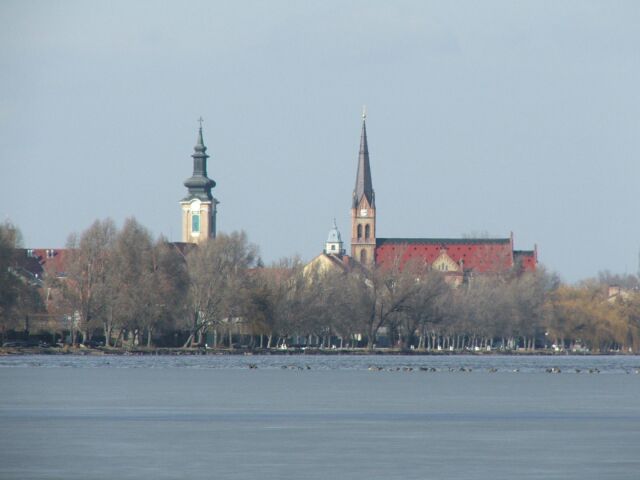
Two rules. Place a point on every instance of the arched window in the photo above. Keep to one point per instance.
(359, 231)
(363, 256)
(367, 231)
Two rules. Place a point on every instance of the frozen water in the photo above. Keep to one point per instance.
(313, 417)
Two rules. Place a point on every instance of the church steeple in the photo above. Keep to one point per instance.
(364, 186)
(199, 184)
(363, 206)
(199, 207)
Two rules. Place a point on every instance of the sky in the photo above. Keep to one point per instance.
(483, 118)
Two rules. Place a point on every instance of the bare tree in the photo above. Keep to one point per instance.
(132, 284)
(87, 268)
(384, 292)
(218, 275)
(168, 292)
(424, 307)
(277, 299)
(9, 282)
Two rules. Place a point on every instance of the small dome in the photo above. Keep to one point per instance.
(334, 234)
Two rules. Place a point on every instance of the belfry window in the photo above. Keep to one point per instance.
(359, 231)
(195, 223)
(367, 231)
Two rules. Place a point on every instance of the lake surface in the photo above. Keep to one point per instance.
(318, 417)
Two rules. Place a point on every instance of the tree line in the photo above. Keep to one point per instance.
(123, 288)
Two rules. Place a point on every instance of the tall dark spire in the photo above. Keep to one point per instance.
(199, 184)
(364, 187)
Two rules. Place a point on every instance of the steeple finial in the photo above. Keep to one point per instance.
(364, 113)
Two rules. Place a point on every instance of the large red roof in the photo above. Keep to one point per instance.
(482, 255)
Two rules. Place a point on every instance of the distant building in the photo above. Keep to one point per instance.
(456, 257)
(333, 257)
(617, 293)
(199, 208)
(35, 264)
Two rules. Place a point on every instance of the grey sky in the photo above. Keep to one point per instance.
(483, 117)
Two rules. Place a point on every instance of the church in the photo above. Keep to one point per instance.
(457, 258)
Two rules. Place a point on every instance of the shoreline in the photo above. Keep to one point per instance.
(103, 351)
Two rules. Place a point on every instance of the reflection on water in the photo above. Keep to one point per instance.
(319, 416)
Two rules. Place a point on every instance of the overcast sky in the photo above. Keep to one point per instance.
(483, 117)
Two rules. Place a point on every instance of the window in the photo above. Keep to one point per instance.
(367, 231)
(195, 223)
(363, 256)
(359, 231)
(333, 247)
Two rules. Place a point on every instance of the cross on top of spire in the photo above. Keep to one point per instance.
(200, 120)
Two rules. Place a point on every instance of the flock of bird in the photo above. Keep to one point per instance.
(378, 368)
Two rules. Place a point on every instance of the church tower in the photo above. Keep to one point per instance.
(199, 207)
(363, 207)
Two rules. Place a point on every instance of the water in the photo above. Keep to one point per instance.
(314, 417)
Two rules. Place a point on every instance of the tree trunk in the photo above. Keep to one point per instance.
(149, 338)
(119, 338)
(107, 334)
(188, 342)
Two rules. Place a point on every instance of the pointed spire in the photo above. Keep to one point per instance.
(199, 184)
(364, 186)
(199, 141)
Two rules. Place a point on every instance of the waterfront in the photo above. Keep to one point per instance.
(317, 416)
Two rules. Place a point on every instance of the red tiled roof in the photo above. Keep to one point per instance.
(491, 255)
(48, 261)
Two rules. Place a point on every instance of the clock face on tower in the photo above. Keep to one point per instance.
(363, 212)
